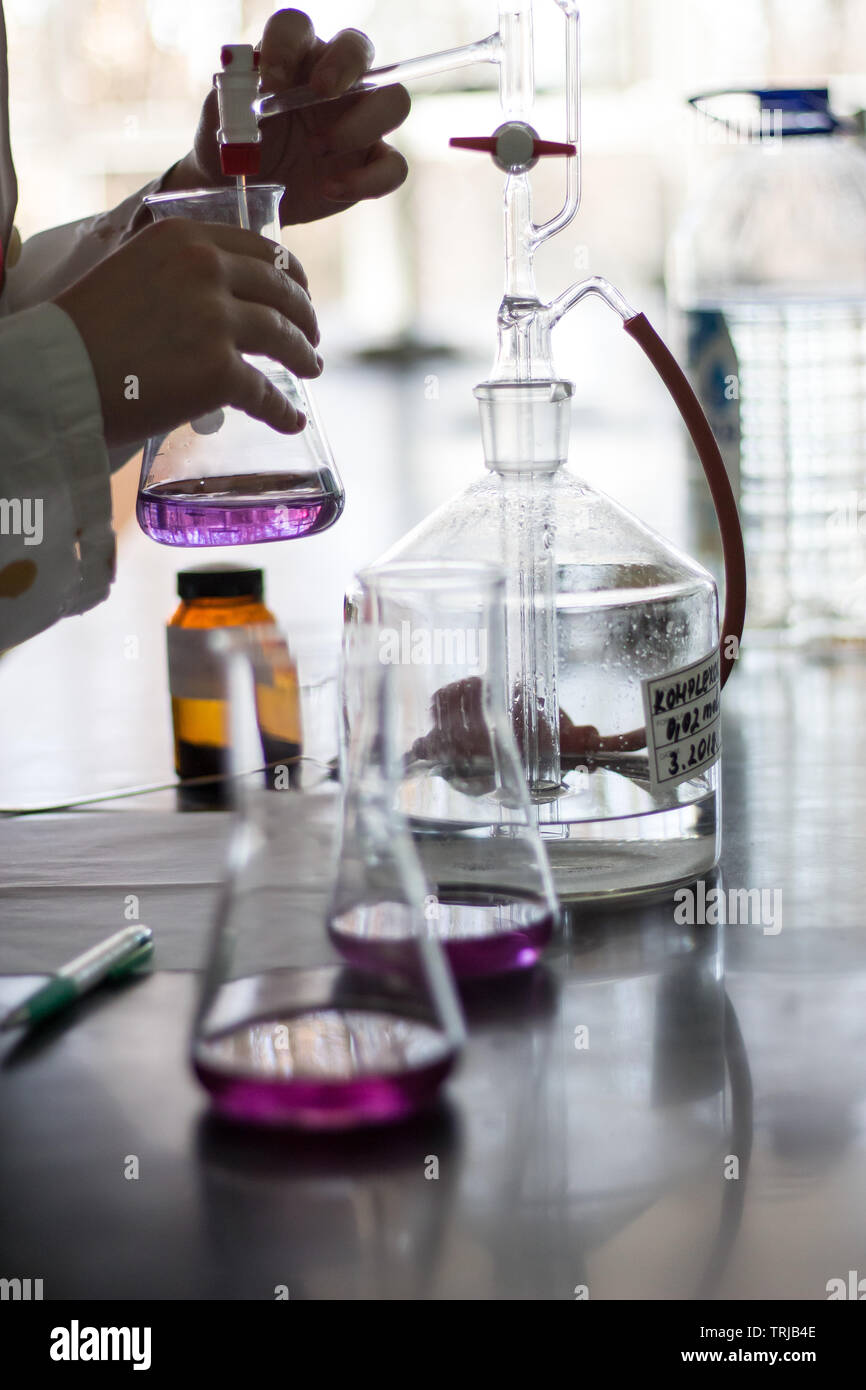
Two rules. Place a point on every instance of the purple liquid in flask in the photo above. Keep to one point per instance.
(240, 509)
(482, 932)
(329, 1068)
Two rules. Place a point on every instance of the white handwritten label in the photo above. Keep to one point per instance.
(683, 721)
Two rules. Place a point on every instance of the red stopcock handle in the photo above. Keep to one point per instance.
(488, 144)
(515, 146)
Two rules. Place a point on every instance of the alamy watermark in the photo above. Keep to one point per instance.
(851, 1288)
(21, 1290)
(411, 645)
(849, 517)
(77, 1343)
(767, 129)
(755, 907)
(22, 516)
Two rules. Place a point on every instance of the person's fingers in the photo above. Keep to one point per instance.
(241, 242)
(341, 62)
(258, 283)
(367, 119)
(266, 332)
(288, 47)
(459, 726)
(210, 116)
(381, 174)
(250, 391)
(287, 262)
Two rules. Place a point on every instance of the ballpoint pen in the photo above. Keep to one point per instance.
(111, 959)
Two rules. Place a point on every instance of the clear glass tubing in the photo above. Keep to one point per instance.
(487, 50)
(511, 49)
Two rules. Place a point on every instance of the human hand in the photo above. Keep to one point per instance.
(460, 732)
(174, 309)
(328, 156)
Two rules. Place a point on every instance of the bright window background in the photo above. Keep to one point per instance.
(106, 95)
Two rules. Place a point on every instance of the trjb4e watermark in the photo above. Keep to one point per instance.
(22, 516)
(411, 645)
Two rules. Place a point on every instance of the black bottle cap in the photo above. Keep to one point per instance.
(220, 581)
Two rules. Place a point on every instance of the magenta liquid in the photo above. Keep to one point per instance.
(483, 932)
(239, 510)
(326, 1069)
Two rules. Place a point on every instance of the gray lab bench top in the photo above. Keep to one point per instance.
(607, 1166)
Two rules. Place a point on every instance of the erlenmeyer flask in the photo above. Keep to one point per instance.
(440, 629)
(288, 1033)
(224, 478)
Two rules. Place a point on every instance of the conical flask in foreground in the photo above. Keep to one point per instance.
(288, 1033)
(439, 628)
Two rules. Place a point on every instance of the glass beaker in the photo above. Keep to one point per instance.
(440, 629)
(225, 478)
(286, 1032)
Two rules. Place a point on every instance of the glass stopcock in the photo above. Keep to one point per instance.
(606, 622)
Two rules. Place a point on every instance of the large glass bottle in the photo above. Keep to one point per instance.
(224, 478)
(598, 606)
(596, 603)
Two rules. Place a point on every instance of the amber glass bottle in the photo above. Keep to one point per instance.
(219, 596)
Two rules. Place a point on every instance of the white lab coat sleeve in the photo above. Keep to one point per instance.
(56, 541)
(52, 260)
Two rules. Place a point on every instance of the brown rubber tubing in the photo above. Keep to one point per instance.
(579, 740)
